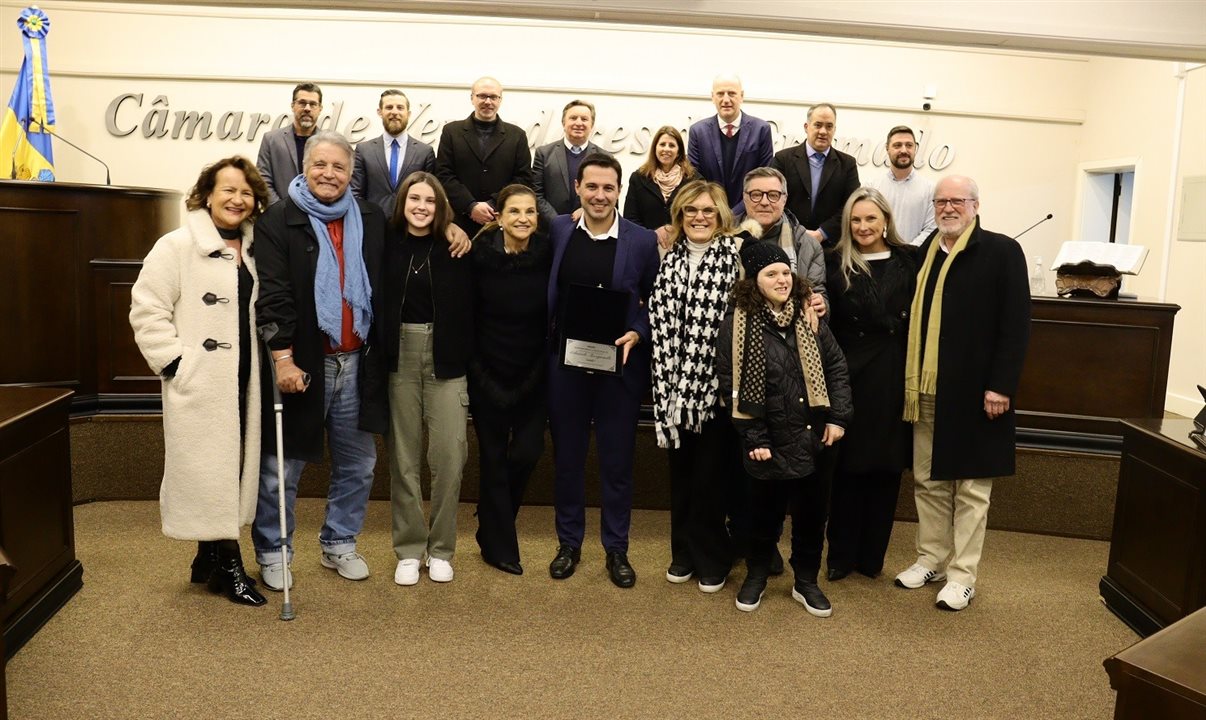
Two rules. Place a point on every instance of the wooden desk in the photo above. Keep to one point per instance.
(1163, 676)
(1089, 364)
(1157, 567)
(37, 531)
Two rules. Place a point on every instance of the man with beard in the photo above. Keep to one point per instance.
(556, 164)
(968, 329)
(385, 161)
(281, 150)
(819, 176)
(909, 194)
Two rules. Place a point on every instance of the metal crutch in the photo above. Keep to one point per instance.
(267, 332)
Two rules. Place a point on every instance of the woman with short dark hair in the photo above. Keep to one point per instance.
(193, 314)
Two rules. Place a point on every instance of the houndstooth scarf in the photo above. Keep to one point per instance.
(684, 317)
(749, 358)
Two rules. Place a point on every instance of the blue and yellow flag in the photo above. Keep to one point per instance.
(25, 133)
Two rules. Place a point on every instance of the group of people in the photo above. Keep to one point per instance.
(804, 339)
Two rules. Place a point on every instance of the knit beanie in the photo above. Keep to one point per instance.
(757, 255)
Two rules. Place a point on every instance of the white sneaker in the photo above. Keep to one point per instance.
(439, 570)
(349, 565)
(275, 576)
(407, 572)
(955, 596)
(917, 575)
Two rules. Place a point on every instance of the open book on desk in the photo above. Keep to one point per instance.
(1126, 259)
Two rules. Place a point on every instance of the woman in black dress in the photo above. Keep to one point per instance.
(654, 185)
(871, 276)
(511, 262)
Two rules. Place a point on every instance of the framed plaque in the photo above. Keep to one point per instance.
(592, 319)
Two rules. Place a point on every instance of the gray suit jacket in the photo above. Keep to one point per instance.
(278, 162)
(550, 179)
(370, 174)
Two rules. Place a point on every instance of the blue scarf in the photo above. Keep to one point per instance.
(328, 300)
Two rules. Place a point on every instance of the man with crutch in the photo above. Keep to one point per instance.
(320, 252)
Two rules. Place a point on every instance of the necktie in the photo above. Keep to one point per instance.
(393, 164)
(576, 149)
(728, 130)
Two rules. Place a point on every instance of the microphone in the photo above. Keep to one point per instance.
(77, 147)
(1040, 222)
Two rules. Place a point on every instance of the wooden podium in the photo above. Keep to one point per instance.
(71, 254)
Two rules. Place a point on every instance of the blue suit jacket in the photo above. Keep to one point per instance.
(634, 270)
(755, 148)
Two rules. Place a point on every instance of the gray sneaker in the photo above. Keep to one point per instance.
(274, 577)
(349, 565)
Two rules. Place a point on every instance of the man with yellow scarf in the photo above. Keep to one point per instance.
(968, 329)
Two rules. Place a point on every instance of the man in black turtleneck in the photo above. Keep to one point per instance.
(479, 156)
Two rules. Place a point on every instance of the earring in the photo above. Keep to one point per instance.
(885, 233)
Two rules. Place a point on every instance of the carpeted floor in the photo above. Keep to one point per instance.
(140, 642)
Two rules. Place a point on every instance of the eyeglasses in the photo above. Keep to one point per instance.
(692, 211)
(307, 103)
(772, 196)
(956, 203)
(488, 98)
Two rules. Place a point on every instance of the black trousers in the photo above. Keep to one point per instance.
(509, 443)
(806, 499)
(860, 520)
(701, 472)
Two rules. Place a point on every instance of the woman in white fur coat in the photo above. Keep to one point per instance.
(193, 314)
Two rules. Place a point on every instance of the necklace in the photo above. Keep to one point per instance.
(415, 270)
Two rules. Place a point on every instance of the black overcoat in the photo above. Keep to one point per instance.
(870, 320)
(985, 330)
(286, 251)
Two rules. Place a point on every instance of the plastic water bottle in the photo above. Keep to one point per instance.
(1038, 281)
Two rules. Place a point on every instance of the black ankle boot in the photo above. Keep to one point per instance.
(206, 561)
(230, 578)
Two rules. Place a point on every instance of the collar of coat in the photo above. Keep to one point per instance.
(205, 235)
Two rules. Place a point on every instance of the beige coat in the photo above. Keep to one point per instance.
(207, 493)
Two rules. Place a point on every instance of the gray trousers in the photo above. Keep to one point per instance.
(418, 401)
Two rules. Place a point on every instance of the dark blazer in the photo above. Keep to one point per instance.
(286, 253)
(451, 278)
(985, 330)
(839, 179)
(644, 205)
(470, 176)
(370, 173)
(634, 270)
(755, 148)
(551, 180)
(278, 162)
(870, 320)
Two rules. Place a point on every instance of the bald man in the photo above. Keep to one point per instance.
(481, 155)
(726, 146)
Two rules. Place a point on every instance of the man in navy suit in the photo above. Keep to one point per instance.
(819, 176)
(383, 162)
(724, 147)
(600, 249)
(555, 165)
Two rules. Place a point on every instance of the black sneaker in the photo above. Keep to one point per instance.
(810, 596)
(679, 573)
(749, 597)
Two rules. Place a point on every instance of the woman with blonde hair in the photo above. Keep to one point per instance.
(872, 274)
(688, 303)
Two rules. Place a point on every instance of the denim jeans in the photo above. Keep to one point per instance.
(353, 456)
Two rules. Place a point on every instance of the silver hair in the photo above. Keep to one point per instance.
(763, 172)
(328, 137)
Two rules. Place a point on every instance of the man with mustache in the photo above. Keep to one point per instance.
(819, 176)
(968, 328)
(907, 191)
(281, 150)
(384, 161)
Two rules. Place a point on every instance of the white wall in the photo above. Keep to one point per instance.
(1019, 123)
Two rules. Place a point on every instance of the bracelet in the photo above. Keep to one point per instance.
(282, 357)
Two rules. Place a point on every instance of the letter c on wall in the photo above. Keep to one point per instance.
(111, 114)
